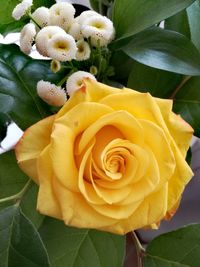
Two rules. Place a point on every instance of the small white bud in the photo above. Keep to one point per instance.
(55, 65)
(44, 35)
(27, 36)
(75, 81)
(83, 51)
(21, 9)
(100, 29)
(41, 16)
(62, 47)
(93, 70)
(51, 94)
(62, 14)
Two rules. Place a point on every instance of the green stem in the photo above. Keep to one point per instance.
(30, 16)
(100, 7)
(99, 56)
(17, 196)
(187, 78)
(139, 248)
(65, 78)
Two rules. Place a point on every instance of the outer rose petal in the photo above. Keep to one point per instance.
(91, 91)
(180, 178)
(77, 212)
(47, 203)
(179, 129)
(147, 213)
(29, 147)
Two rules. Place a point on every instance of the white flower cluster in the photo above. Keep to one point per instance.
(61, 36)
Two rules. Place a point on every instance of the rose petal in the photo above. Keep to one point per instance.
(47, 203)
(29, 147)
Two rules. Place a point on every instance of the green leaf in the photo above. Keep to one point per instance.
(150, 261)
(68, 246)
(12, 179)
(166, 50)
(14, 26)
(95, 5)
(19, 75)
(7, 22)
(131, 17)
(157, 82)
(28, 205)
(187, 23)
(100, 5)
(181, 246)
(123, 65)
(187, 103)
(179, 23)
(20, 243)
(4, 121)
(193, 13)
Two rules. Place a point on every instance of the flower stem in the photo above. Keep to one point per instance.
(139, 248)
(17, 196)
(187, 78)
(65, 78)
(100, 7)
(100, 59)
(30, 16)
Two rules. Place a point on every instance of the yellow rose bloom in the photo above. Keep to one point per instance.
(110, 159)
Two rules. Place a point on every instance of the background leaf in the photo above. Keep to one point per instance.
(20, 243)
(12, 179)
(69, 246)
(19, 75)
(193, 13)
(28, 205)
(157, 82)
(181, 246)
(150, 261)
(165, 50)
(187, 103)
(187, 23)
(123, 65)
(131, 17)
(179, 23)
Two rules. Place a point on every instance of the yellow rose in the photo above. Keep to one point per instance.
(110, 159)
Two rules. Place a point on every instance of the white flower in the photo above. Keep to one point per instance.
(62, 47)
(44, 35)
(85, 15)
(99, 28)
(75, 81)
(62, 14)
(21, 9)
(83, 51)
(41, 16)
(27, 36)
(51, 94)
(75, 30)
(55, 65)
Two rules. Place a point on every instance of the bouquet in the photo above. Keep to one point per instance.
(108, 115)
